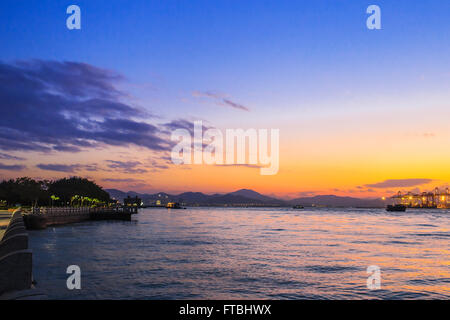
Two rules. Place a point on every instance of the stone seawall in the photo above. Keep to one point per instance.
(58, 216)
(41, 218)
(16, 263)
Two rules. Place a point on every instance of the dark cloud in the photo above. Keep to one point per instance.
(157, 165)
(129, 180)
(12, 167)
(5, 156)
(173, 125)
(126, 166)
(220, 99)
(69, 167)
(68, 106)
(67, 148)
(179, 124)
(91, 167)
(182, 124)
(60, 167)
(399, 183)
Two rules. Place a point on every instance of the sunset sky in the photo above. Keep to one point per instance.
(361, 112)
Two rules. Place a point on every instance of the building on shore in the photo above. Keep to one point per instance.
(436, 199)
(135, 201)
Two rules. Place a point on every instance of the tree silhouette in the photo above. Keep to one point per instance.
(66, 191)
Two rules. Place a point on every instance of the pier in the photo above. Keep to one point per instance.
(41, 218)
(427, 200)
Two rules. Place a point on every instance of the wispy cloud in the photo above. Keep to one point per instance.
(426, 135)
(6, 156)
(220, 99)
(306, 194)
(126, 166)
(127, 180)
(429, 135)
(68, 168)
(182, 124)
(399, 183)
(12, 167)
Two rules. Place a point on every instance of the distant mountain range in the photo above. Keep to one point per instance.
(246, 197)
(336, 201)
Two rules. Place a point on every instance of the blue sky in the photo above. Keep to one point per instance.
(261, 53)
(311, 68)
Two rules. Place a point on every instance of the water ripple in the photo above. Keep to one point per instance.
(217, 253)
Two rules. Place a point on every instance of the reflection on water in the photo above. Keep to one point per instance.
(249, 254)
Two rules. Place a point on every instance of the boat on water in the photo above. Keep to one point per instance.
(396, 208)
(298, 206)
(174, 205)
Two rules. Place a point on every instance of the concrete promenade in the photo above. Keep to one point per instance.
(16, 263)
